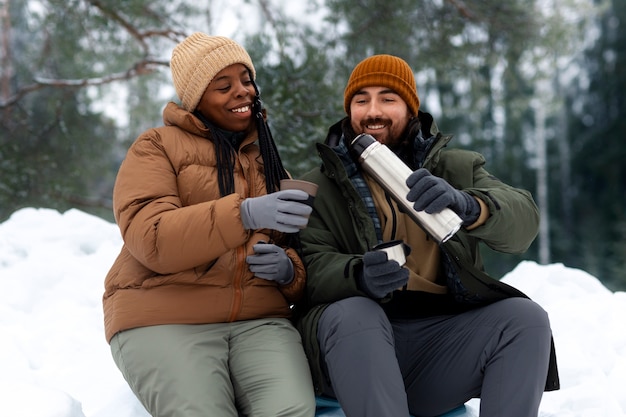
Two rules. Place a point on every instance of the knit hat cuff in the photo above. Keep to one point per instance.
(383, 79)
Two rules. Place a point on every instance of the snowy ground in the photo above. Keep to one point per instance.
(55, 361)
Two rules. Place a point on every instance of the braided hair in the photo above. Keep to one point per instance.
(225, 154)
(272, 164)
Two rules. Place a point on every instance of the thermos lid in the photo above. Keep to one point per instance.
(361, 142)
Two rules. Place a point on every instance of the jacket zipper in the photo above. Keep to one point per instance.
(237, 284)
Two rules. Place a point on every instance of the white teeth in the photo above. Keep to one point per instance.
(375, 127)
(241, 109)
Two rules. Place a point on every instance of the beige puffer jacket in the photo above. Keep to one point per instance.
(183, 258)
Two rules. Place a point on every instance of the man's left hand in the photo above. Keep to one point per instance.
(432, 194)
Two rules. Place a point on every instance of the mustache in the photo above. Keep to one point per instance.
(375, 121)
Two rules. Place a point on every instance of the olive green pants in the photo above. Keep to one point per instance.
(253, 368)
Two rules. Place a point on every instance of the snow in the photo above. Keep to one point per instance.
(55, 361)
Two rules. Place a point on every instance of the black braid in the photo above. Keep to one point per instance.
(272, 164)
(225, 155)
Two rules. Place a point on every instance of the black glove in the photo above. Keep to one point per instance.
(432, 194)
(270, 262)
(381, 276)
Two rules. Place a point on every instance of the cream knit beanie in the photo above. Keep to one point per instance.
(197, 59)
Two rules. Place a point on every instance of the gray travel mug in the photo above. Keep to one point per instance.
(391, 173)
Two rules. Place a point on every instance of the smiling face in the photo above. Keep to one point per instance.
(227, 101)
(380, 112)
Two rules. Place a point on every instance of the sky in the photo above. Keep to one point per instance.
(55, 361)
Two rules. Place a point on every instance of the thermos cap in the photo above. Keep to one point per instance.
(361, 142)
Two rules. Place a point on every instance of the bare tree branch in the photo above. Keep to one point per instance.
(140, 36)
(463, 9)
(5, 52)
(280, 36)
(140, 68)
(143, 67)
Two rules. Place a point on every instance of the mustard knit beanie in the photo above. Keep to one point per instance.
(384, 71)
(197, 59)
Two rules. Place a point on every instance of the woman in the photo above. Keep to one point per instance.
(197, 304)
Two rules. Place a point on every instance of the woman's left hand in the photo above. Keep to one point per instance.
(270, 262)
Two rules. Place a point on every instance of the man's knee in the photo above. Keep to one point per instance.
(526, 313)
(350, 316)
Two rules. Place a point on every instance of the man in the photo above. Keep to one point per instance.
(422, 339)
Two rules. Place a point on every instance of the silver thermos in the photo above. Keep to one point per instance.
(391, 173)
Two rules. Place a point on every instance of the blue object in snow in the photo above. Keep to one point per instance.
(329, 407)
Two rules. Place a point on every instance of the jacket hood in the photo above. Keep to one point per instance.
(174, 115)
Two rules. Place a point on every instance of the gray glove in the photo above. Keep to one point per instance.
(270, 262)
(381, 276)
(280, 211)
(432, 194)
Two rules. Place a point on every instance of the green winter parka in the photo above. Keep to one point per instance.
(340, 231)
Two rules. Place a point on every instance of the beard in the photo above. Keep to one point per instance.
(390, 135)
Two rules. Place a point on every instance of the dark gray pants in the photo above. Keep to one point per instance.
(426, 367)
